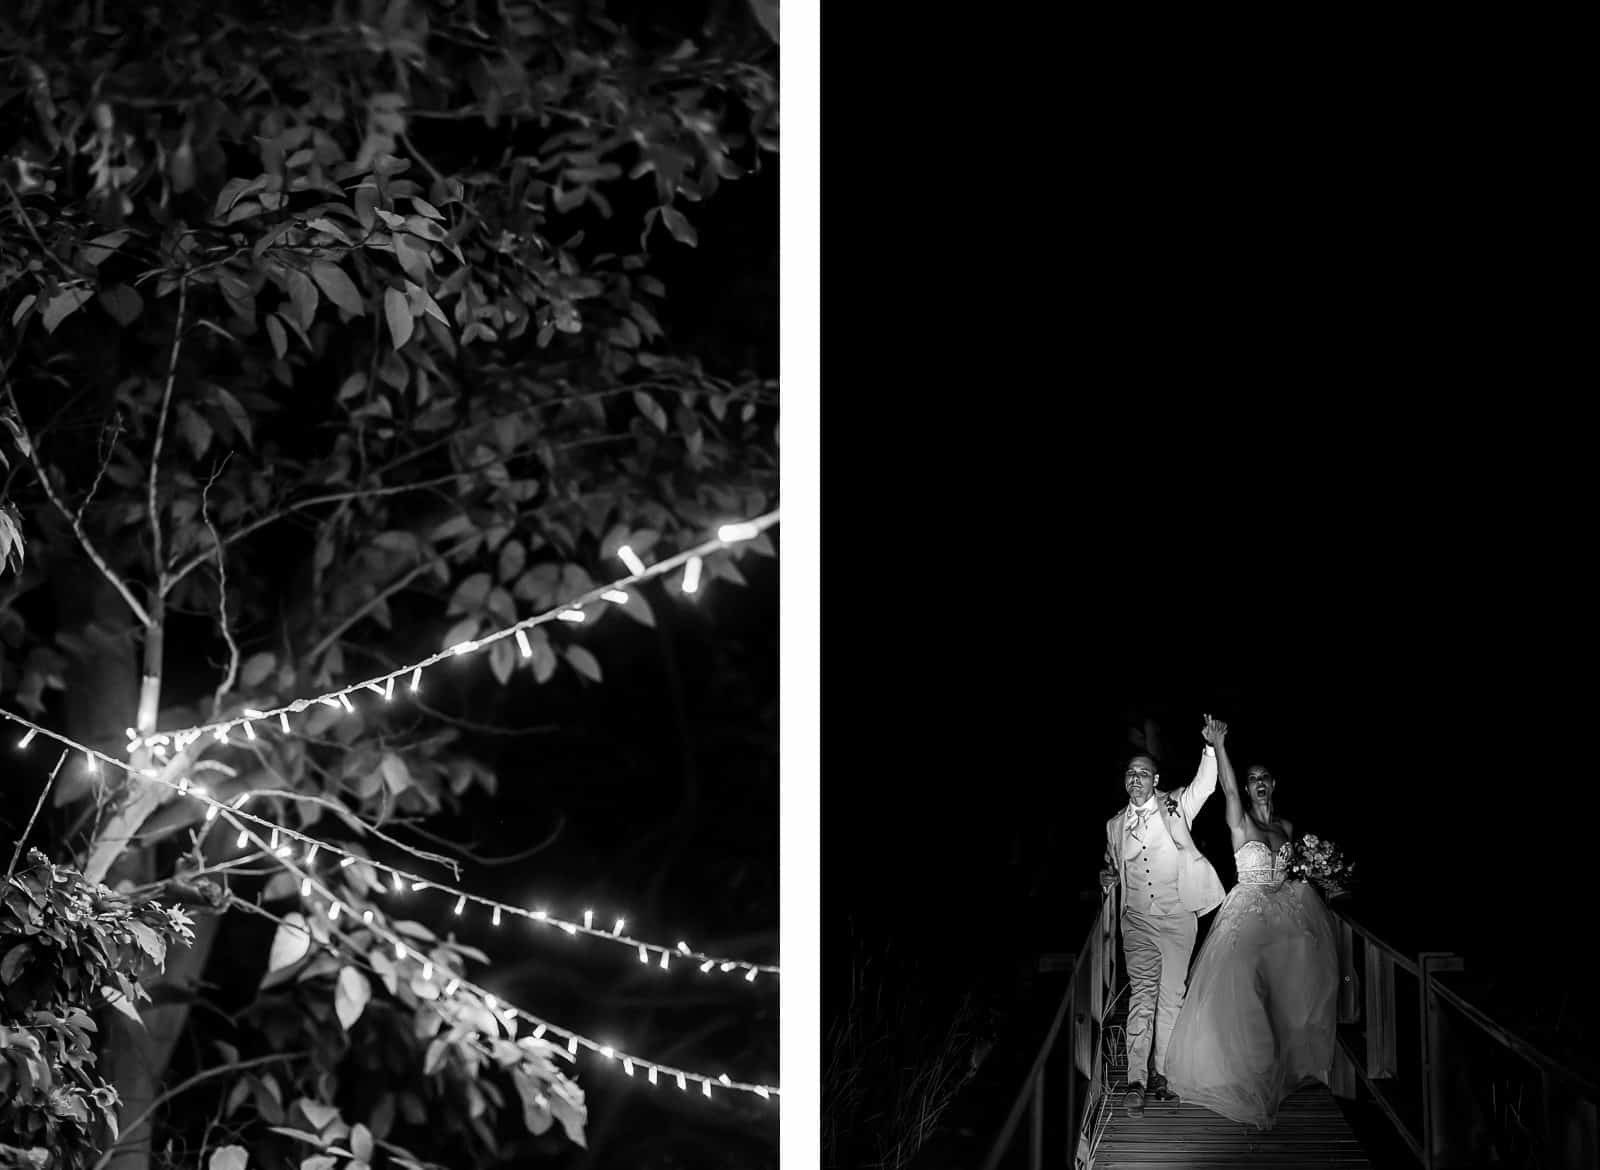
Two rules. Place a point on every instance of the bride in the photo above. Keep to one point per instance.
(1259, 1017)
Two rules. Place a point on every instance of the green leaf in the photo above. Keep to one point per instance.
(65, 303)
(289, 944)
(361, 1142)
(14, 961)
(257, 667)
(682, 230)
(338, 288)
(543, 657)
(398, 314)
(651, 409)
(303, 295)
(233, 408)
(120, 1002)
(502, 660)
(583, 662)
(395, 773)
(228, 1158)
(638, 608)
(123, 303)
(195, 429)
(277, 335)
(149, 942)
(350, 996)
(470, 595)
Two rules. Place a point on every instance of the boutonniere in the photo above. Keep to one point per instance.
(1172, 806)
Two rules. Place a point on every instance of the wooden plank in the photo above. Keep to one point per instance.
(1310, 1132)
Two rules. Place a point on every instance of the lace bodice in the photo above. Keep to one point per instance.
(1258, 865)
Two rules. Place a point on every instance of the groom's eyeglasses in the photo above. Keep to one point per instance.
(1138, 774)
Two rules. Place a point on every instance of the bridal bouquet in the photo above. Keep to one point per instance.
(1322, 863)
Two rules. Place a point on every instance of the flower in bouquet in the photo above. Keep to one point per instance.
(1321, 862)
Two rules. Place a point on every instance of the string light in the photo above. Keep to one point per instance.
(22, 744)
(523, 644)
(570, 611)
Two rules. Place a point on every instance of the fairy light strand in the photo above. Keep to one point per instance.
(500, 1009)
(399, 880)
(571, 611)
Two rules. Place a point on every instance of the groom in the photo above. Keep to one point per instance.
(1166, 885)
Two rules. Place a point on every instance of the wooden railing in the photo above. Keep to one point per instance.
(1075, 1031)
(1423, 1051)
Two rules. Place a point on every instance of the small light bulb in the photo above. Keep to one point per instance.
(627, 1066)
(572, 1045)
(617, 929)
(588, 919)
(496, 919)
(399, 884)
(608, 1052)
(416, 679)
(652, 1074)
(415, 886)
(311, 855)
(283, 721)
(366, 917)
(388, 689)
(183, 784)
(344, 701)
(461, 903)
(761, 1091)
(250, 731)
(524, 645)
(630, 558)
(89, 761)
(570, 927)
(305, 887)
(333, 912)
(705, 1087)
(450, 989)
(427, 970)
(541, 914)
(221, 735)
(375, 688)
(330, 703)
(706, 966)
(273, 843)
(284, 850)
(691, 575)
(682, 1084)
(198, 791)
(683, 946)
(644, 955)
(244, 838)
(539, 1031)
(665, 954)
(733, 533)
(489, 1002)
(729, 966)
(723, 1077)
(750, 976)
(571, 615)
(615, 596)
(399, 951)
(466, 647)
(22, 744)
(211, 813)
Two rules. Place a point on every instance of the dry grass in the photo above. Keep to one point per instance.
(893, 1061)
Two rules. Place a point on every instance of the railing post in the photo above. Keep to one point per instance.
(1443, 1101)
(1349, 990)
(1036, 1136)
(1078, 1024)
(1382, 1053)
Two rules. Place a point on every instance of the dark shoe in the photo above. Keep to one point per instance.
(1133, 1100)
(1160, 1090)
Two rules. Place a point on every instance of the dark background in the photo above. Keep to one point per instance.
(1247, 396)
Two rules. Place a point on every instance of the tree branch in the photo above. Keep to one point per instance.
(222, 597)
(17, 852)
(157, 555)
(117, 583)
(185, 1086)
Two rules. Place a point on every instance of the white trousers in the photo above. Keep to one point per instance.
(1158, 948)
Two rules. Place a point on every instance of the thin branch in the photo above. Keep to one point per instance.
(400, 583)
(111, 450)
(482, 728)
(222, 596)
(38, 804)
(157, 555)
(27, 222)
(185, 1086)
(77, 527)
(479, 859)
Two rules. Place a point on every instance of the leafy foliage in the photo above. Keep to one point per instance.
(333, 339)
(66, 945)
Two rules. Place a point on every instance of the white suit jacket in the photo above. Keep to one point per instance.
(1199, 887)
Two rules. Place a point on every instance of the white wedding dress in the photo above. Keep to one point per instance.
(1258, 1020)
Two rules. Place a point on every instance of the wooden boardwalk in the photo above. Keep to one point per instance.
(1311, 1133)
